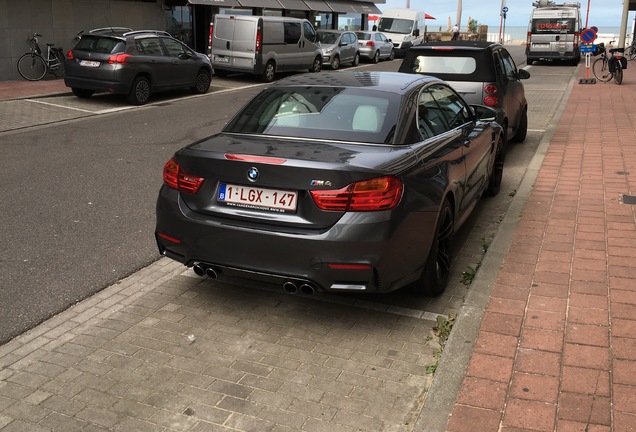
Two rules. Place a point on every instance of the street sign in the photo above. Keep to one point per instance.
(587, 48)
(504, 9)
(588, 36)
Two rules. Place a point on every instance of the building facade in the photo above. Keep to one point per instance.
(59, 21)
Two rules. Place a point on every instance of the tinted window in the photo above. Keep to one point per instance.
(509, 67)
(98, 44)
(553, 25)
(363, 36)
(439, 110)
(310, 33)
(149, 46)
(328, 38)
(292, 32)
(174, 48)
(324, 113)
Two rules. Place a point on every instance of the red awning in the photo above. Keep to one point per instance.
(427, 16)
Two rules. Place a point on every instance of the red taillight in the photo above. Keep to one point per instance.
(169, 238)
(576, 39)
(210, 38)
(259, 40)
(174, 178)
(118, 58)
(381, 193)
(529, 38)
(349, 266)
(491, 99)
(69, 55)
(370, 43)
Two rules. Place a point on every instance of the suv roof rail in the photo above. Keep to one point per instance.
(157, 32)
(110, 29)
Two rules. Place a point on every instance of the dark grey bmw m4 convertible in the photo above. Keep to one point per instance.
(341, 182)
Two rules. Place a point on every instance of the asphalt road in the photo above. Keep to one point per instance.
(78, 196)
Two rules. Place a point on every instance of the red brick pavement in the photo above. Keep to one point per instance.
(22, 88)
(557, 344)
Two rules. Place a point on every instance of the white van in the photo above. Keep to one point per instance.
(405, 27)
(554, 31)
(263, 45)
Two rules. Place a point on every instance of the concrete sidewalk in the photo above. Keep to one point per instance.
(551, 318)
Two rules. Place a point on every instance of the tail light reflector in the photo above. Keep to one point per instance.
(69, 55)
(118, 58)
(383, 193)
(370, 43)
(529, 38)
(259, 40)
(491, 99)
(174, 178)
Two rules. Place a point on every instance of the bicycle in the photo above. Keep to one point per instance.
(605, 68)
(630, 51)
(32, 66)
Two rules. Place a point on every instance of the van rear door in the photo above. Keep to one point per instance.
(234, 42)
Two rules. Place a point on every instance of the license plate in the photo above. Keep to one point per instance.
(89, 63)
(258, 198)
(541, 45)
(221, 59)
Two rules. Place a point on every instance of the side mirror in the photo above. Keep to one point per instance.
(416, 32)
(185, 55)
(484, 113)
(524, 74)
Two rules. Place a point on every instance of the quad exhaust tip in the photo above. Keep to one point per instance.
(203, 270)
(305, 288)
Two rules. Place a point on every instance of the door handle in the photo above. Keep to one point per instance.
(227, 45)
(466, 143)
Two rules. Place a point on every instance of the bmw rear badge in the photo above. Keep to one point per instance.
(252, 174)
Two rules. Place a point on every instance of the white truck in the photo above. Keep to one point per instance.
(404, 27)
(554, 31)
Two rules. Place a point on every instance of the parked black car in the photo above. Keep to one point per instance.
(482, 72)
(134, 63)
(356, 181)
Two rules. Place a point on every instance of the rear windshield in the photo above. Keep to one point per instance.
(553, 25)
(451, 65)
(100, 44)
(363, 36)
(436, 65)
(344, 114)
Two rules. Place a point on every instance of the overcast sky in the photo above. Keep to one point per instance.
(602, 12)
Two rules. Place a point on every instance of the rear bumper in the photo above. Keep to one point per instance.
(368, 253)
(97, 85)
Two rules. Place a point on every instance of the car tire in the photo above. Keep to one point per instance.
(82, 93)
(522, 129)
(269, 72)
(201, 83)
(316, 66)
(356, 60)
(376, 57)
(140, 91)
(335, 63)
(494, 182)
(529, 62)
(438, 264)
(392, 55)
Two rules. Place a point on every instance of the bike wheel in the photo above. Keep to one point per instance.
(600, 69)
(618, 73)
(31, 67)
(630, 52)
(56, 66)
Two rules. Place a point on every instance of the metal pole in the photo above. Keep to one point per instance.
(621, 38)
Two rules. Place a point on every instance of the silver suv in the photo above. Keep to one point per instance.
(134, 63)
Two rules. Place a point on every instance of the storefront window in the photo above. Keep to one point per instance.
(323, 20)
(179, 23)
(349, 21)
